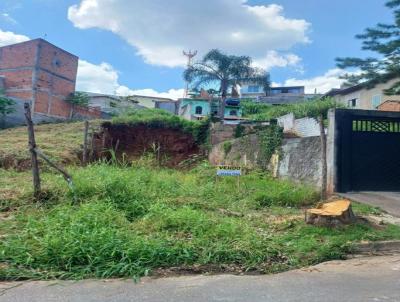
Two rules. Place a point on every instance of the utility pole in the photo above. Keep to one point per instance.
(190, 55)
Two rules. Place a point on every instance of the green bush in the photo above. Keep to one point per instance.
(227, 146)
(158, 118)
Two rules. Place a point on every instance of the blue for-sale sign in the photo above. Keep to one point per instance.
(229, 171)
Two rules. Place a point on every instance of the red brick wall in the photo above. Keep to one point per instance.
(39, 71)
(58, 61)
(18, 55)
(390, 106)
(17, 79)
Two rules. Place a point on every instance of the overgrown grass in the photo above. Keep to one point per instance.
(311, 108)
(59, 141)
(129, 222)
(158, 118)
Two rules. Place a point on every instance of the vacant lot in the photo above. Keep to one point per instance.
(62, 142)
(124, 219)
(133, 221)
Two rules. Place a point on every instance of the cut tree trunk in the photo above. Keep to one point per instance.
(333, 213)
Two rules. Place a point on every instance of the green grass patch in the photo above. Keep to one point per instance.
(158, 118)
(129, 222)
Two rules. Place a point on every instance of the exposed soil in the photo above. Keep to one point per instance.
(170, 147)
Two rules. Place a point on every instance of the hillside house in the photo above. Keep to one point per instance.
(363, 97)
(280, 95)
(111, 104)
(199, 108)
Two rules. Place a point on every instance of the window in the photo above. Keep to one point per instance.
(376, 101)
(233, 112)
(253, 88)
(199, 110)
(352, 103)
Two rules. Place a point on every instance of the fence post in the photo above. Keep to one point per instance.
(85, 143)
(32, 148)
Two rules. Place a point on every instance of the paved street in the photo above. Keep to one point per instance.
(387, 201)
(362, 279)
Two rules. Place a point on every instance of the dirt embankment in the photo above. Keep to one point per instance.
(170, 146)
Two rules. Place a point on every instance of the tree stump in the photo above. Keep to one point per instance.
(331, 214)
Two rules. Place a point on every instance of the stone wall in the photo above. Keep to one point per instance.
(300, 159)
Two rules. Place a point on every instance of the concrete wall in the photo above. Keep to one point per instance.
(304, 127)
(300, 160)
(171, 106)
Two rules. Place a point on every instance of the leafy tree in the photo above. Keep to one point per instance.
(6, 105)
(78, 99)
(383, 39)
(226, 71)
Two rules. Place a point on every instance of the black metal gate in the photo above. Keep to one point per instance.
(368, 153)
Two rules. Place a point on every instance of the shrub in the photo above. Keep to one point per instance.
(158, 118)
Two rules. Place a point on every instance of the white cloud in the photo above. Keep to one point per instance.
(274, 59)
(103, 78)
(322, 83)
(8, 37)
(160, 30)
(8, 18)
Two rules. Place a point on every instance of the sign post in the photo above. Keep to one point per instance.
(223, 170)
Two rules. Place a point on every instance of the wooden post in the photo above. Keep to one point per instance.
(65, 174)
(85, 144)
(32, 148)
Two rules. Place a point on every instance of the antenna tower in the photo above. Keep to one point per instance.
(190, 55)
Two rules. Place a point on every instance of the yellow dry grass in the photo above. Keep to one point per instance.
(61, 142)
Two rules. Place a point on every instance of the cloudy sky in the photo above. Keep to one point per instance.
(135, 46)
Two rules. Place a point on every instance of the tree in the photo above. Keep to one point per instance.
(383, 39)
(6, 105)
(226, 71)
(78, 99)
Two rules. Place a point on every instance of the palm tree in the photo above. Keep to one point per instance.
(227, 71)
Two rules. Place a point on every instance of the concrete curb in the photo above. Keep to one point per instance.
(377, 247)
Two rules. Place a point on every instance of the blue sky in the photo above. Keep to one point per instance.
(134, 46)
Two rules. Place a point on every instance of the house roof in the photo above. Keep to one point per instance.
(285, 99)
(367, 84)
(288, 87)
(347, 90)
(102, 95)
(149, 97)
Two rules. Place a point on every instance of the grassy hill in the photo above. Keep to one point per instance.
(62, 142)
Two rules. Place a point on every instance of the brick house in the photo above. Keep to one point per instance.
(43, 74)
(390, 105)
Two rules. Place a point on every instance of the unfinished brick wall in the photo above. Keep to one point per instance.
(390, 106)
(43, 74)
